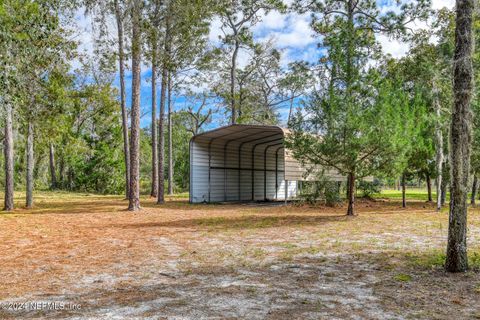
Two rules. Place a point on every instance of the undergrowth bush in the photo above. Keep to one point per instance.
(368, 188)
(321, 191)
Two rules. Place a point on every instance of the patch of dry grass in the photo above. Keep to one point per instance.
(231, 261)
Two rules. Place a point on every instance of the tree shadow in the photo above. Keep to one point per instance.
(97, 205)
(73, 207)
(183, 204)
(297, 283)
(238, 223)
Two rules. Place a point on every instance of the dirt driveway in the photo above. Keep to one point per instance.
(80, 256)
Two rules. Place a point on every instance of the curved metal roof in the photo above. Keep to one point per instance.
(240, 133)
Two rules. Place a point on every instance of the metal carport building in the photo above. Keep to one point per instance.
(243, 163)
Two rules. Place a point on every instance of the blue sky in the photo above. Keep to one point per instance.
(291, 34)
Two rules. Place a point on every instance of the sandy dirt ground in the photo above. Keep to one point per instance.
(85, 257)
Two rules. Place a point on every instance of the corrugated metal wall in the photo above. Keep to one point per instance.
(221, 169)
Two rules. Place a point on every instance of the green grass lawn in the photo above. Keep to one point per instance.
(418, 194)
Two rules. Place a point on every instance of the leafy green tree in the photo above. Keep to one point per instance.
(427, 68)
(265, 87)
(420, 158)
(167, 49)
(475, 158)
(353, 112)
(88, 134)
(197, 112)
(185, 40)
(120, 9)
(415, 72)
(181, 137)
(297, 80)
(34, 44)
(238, 16)
(154, 17)
(371, 139)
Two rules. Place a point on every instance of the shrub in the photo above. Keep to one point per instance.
(322, 190)
(368, 188)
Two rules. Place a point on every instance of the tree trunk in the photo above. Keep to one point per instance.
(460, 138)
(348, 85)
(233, 75)
(439, 147)
(161, 126)
(161, 142)
(38, 159)
(123, 98)
(348, 187)
(444, 187)
(240, 100)
(404, 191)
(70, 179)
(8, 150)
(170, 136)
(154, 187)
(30, 165)
(290, 111)
(53, 168)
(134, 196)
(429, 187)
(351, 194)
(61, 173)
(474, 190)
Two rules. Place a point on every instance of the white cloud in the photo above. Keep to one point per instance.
(389, 6)
(215, 31)
(146, 82)
(243, 58)
(311, 54)
(274, 20)
(398, 49)
(395, 48)
(82, 33)
(296, 34)
(291, 33)
(439, 4)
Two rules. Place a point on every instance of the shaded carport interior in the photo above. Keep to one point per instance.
(243, 163)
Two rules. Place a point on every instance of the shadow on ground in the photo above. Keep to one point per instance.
(341, 287)
(243, 222)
